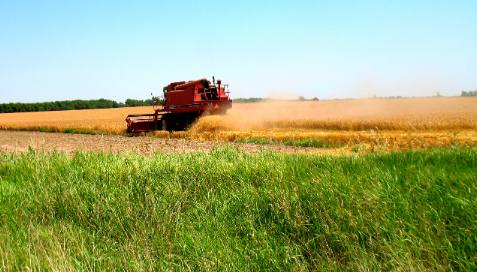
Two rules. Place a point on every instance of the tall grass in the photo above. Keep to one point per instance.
(228, 210)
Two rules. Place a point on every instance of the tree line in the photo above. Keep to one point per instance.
(469, 93)
(72, 105)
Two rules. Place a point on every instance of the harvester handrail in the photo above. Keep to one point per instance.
(147, 114)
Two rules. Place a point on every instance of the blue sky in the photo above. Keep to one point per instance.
(55, 50)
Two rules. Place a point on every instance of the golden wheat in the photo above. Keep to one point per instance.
(392, 123)
(365, 114)
(100, 120)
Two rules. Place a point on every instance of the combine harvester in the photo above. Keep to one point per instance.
(184, 102)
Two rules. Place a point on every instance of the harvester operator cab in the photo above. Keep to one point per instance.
(209, 91)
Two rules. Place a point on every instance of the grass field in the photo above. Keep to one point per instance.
(228, 210)
(382, 123)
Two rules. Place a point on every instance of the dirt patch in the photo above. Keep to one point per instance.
(19, 141)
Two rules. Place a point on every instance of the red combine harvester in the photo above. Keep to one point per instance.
(183, 103)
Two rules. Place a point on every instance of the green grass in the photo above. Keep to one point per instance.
(227, 210)
(299, 143)
(58, 130)
(80, 131)
(46, 129)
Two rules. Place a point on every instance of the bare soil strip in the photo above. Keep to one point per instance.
(19, 141)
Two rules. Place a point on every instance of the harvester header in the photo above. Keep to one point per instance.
(183, 103)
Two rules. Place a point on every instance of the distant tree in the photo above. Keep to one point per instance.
(469, 93)
(67, 105)
(247, 100)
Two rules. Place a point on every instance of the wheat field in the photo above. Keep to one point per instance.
(359, 114)
(100, 120)
(389, 123)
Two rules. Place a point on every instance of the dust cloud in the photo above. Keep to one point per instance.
(415, 112)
